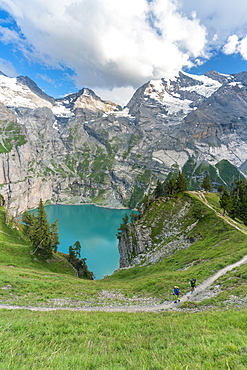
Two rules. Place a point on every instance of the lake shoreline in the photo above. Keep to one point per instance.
(96, 229)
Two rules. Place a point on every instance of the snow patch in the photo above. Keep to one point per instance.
(15, 94)
(207, 88)
(60, 110)
(237, 83)
(122, 113)
(158, 85)
(172, 102)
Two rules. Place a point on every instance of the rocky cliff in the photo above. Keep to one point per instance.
(82, 149)
(167, 226)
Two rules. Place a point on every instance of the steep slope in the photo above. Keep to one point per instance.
(170, 225)
(82, 149)
(198, 244)
(22, 92)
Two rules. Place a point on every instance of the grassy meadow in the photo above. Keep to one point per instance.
(199, 335)
(112, 341)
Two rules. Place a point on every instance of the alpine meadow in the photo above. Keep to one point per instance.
(175, 159)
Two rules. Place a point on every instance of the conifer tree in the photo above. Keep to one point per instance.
(54, 235)
(27, 219)
(2, 200)
(225, 201)
(239, 201)
(123, 226)
(72, 256)
(207, 184)
(42, 237)
(159, 190)
(170, 186)
(221, 189)
(181, 183)
(77, 249)
(79, 264)
(146, 201)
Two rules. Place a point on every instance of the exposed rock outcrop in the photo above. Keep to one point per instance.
(166, 227)
(82, 149)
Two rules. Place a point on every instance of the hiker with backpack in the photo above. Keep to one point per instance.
(176, 293)
(192, 285)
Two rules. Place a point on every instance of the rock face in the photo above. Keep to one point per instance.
(82, 149)
(166, 227)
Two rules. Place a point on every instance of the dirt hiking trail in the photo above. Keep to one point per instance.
(196, 296)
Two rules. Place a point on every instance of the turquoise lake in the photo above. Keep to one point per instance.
(95, 228)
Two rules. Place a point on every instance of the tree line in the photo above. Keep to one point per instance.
(177, 184)
(44, 240)
(42, 235)
(235, 202)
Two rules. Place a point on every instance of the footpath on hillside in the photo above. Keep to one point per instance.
(197, 296)
(201, 196)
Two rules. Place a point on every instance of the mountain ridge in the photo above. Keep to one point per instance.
(81, 148)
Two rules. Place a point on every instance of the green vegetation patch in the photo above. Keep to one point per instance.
(84, 340)
(103, 162)
(11, 135)
(214, 244)
(229, 173)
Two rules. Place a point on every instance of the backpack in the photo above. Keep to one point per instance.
(193, 282)
(176, 290)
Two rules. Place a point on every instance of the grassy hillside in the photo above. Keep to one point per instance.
(214, 338)
(217, 244)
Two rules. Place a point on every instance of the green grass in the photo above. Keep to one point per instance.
(11, 134)
(97, 340)
(214, 200)
(217, 245)
(81, 340)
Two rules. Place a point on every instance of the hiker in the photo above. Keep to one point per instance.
(176, 293)
(193, 285)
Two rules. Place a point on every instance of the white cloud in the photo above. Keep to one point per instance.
(232, 45)
(7, 68)
(113, 44)
(243, 47)
(9, 36)
(119, 95)
(109, 43)
(225, 21)
(235, 45)
(45, 78)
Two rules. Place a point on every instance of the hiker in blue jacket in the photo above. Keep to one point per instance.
(176, 293)
(192, 285)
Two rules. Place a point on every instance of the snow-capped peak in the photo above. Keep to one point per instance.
(17, 94)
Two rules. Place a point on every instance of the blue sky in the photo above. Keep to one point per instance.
(114, 46)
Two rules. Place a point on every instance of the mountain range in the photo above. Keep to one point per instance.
(81, 148)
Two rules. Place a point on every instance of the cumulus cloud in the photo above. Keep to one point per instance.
(225, 21)
(232, 45)
(109, 43)
(119, 95)
(123, 43)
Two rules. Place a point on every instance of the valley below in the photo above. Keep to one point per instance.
(80, 150)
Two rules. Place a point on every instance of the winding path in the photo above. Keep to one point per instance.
(151, 308)
(137, 308)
